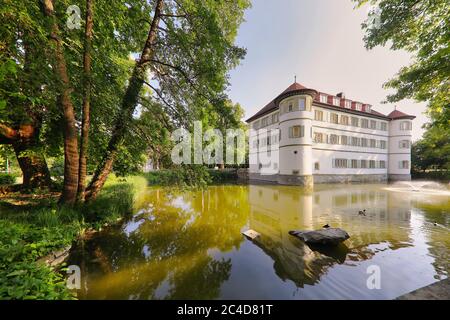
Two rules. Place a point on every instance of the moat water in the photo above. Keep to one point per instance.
(188, 245)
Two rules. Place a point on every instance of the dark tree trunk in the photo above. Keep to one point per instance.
(69, 193)
(33, 165)
(25, 142)
(128, 106)
(85, 124)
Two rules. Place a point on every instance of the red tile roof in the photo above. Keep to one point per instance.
(273, 105)
(397, 114)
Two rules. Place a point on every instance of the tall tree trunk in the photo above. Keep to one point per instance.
(71, 162)
(32, 163)
(129, 103)
(25, 142)
(86, 102)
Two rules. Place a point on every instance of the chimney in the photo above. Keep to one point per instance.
(341, 95)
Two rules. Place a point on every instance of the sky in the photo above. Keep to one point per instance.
(321, 42)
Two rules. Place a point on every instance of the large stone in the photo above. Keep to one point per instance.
(329, 236)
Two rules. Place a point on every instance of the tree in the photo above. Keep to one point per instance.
(71, 156)
(433, 150)
(189, 55)
(85, 124)
(22, 96)
(422, 28)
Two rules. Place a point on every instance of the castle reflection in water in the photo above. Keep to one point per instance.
(275, 210)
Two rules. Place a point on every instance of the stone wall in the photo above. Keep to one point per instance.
(399, 177)
(243, 174)
(347, 178)
(319, 178)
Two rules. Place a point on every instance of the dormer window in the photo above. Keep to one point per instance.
(336, 101)
(359, 106)
(348, 104)
(323, 98)
(368, 108)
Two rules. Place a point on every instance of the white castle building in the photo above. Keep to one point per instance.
(304, 137)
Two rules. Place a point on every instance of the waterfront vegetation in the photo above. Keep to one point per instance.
(34, 225)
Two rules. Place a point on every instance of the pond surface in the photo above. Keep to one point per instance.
(189, 245)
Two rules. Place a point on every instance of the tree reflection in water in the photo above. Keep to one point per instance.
(187, 245)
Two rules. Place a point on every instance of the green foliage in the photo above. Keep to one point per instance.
(433, 150)
(7, 178)
(422, 28)
(33, 231)
(185, 176)
(223, 176)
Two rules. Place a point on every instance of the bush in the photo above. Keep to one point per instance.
(184, 176)
(7, 178)
(221, 176)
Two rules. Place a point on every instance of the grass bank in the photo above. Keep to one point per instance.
(33, 225)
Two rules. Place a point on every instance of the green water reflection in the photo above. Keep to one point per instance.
(189, 245)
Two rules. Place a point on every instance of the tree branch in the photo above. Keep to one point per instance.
(8, 134)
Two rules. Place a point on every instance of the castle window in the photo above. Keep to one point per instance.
(344, 140)
(373, 143)
(383, 144)
(373, 124)
(404, 164)
(264, 122)
(355, 141)
(323, 98)
(274, 139)
(334, 118)
(364, 123)
(368, 108)
(354, 164)
(358, 106)
(344, 120)
(383, 126)
(372, 164)
(256, 125)
(340, 163)
(364, 142)
(297, 132)
(275, 118)
(316, 166)
(336, 101)
(363, 164)
(355, 122)
(334, 139)
(301, 104)
(318, 137)
(405, 125)
(404, 144)
(382, 164)
(318, 115)
(290, 107)
(348, 104)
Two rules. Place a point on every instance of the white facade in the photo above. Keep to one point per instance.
(301, 139)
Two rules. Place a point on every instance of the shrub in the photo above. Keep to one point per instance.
(7, 178)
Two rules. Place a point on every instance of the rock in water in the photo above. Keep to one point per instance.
(329, 236)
